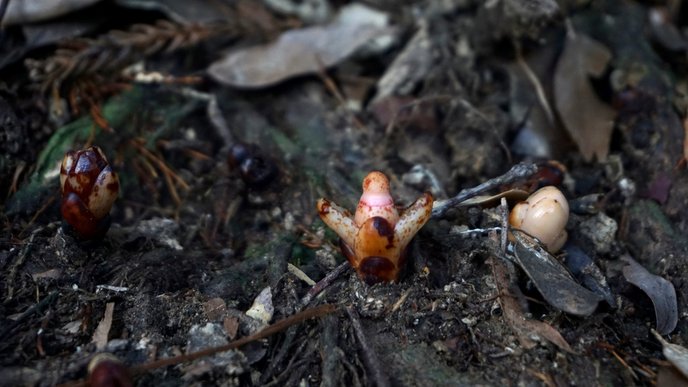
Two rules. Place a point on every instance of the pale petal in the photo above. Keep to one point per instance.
(339, 220)
(412, 219)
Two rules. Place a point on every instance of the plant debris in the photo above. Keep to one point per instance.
(100, 336)
(218, 269)
(660, 291)
(302, 51)
(113, 52)
(551, 278)
(676, 354)
(528, 330)
(588, 120)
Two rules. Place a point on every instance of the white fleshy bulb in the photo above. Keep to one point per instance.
(543, 215)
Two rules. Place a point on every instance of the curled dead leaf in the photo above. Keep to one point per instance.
(526, 329)
(301, 51)
(660, 291)
(587, 119)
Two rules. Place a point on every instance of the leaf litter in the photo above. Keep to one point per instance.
(302, 51)
(238, 242)
(676, 354)
(551, 278)
(527, 329)
(588, 120)
(660, 291)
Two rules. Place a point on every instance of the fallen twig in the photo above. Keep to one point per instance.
(504, 213)
(323, 283)
(35, 308)
(518, 171)
(279, 326)
(9, 279)
(270, 330)
(291, 333)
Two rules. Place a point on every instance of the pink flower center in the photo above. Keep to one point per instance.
(376, 199)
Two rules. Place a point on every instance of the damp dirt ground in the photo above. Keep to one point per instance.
(195, 239)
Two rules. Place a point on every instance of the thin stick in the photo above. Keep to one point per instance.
(33, 309)
(539, 90)
(493, 130)
(17, 173)
(217, 120)
(18, 262)
(161, 164)
(504, 209)
(38, 213)
(323, 283)
(268, 331)
(332, 87)
(285, 323)
(369, 354)
(412, 105)
(518, 171)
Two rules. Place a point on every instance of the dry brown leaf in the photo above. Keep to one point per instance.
(670, 376)
(301, 51)
(100, 336)
(409, 67)
(48, 274)
(526, 329)
(231, 325)
(588, 120)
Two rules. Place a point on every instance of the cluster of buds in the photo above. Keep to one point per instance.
(374, 239)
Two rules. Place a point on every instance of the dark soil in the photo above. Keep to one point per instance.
(181, 256)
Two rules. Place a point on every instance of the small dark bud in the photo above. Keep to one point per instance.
(105, 370)
(256, 170)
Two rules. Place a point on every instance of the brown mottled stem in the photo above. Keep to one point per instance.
(517, 172)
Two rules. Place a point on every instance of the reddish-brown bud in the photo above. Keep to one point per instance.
(105, 370)
(89, 188)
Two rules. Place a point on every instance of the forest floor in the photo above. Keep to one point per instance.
(440, 96)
